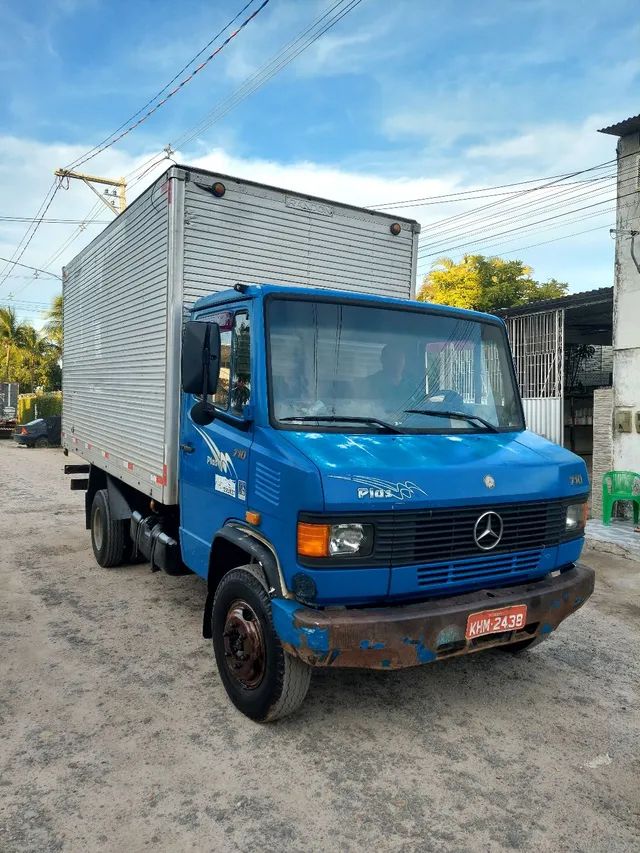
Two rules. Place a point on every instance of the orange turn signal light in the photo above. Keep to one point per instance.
(313, 539)
(252, 517)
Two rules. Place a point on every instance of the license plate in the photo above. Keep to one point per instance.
(496, 621)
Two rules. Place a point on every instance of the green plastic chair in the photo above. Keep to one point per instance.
(620, 486)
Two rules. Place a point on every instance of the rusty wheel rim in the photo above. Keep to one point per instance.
(244, 649)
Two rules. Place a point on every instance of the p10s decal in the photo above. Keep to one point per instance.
(374, 487)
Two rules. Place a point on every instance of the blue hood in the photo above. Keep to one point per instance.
(381, 471)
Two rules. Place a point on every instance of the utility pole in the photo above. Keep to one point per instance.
(89, 180)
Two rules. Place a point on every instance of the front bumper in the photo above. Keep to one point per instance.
(412, 634)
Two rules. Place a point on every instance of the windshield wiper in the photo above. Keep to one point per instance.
(387, 427)
(440, 413)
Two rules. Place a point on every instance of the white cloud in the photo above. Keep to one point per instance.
(26, 170)
(556, 145)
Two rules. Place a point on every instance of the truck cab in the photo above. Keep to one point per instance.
(358, 488)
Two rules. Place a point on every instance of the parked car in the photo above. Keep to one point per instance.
(42, 432)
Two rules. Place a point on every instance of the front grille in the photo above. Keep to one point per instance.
(504, 569)
(405, 538)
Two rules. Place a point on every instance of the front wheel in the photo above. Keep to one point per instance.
(262, 680)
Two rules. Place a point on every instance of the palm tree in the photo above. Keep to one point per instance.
(53, 326)
(12, 335)
(35, 349)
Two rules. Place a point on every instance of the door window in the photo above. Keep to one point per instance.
(241, 375)
(234, 384)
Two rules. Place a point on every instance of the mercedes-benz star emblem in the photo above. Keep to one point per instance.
(489, 481)
(488, 530)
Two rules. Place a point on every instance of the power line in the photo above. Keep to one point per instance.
(24, 307)
(49, 221)
(483, 247)
(518, 213)
(525, 220)
(434, 199)
(74, 235)
(102, 146)
(284, 57)
(90, 154)
(520, 228)
(173, 92)
(555, 239)
(509, 215)
(239, 94)
(452, 198)
(13, 261)
(36, 269)
(260, 77)
(470, 213)
(28, 235)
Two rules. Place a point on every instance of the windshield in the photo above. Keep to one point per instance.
(413, 370)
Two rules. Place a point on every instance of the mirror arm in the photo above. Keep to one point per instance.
(205, 371)
(207, 407)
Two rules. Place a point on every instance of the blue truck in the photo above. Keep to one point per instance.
(349, 473)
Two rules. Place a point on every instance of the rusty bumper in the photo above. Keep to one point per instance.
(401, 636)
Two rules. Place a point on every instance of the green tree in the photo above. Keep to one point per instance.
(12, 335)
(53, 326)
(37, 355)
(485, 284)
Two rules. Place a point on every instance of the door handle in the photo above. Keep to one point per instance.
(188, 448)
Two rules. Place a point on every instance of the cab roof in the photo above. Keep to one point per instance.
(262, 291)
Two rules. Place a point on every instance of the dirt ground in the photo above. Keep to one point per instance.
(116, 733)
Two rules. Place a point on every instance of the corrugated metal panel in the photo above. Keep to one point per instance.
(115, 352)
(261, 234)
(544, 416)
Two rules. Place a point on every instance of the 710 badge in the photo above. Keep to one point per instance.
(496, 621)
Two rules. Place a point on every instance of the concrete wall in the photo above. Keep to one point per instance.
(626, 302)
(602, 445)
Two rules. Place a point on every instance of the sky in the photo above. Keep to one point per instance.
(400, 100)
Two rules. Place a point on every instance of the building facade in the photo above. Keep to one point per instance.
(625, 443)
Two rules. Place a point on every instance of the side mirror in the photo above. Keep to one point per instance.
(200, 358)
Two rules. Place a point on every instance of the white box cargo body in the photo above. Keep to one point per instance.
(126, 293)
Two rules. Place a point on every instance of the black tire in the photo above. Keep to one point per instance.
(41, 442)
(108, 535)
(278, 682)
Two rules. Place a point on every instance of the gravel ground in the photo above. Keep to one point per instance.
(116, 733)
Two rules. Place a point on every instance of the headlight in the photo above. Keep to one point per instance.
(351, 539)
(576, 517)
(334, 540)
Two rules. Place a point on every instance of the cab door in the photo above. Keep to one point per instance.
(214, 459)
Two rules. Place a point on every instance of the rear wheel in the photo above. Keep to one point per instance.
(262, 680)
(41, 442)
(108, 538)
